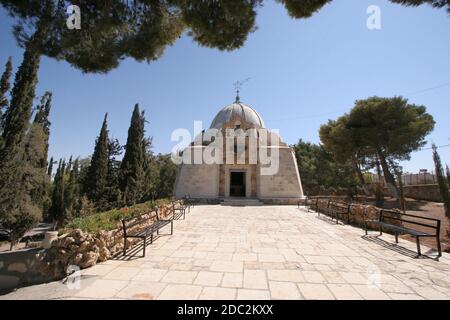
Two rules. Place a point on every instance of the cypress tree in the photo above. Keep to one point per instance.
(447, 170)
(96, 179)
(443, 186)
(36, 152)
(17, 210)
(4, 89)
(112, 193)
(50, 167)
(132, 170)
(72, 191)
(57, 210)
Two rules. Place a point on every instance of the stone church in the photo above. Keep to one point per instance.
(243, 176)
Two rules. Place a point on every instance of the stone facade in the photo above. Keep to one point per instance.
(205, 181)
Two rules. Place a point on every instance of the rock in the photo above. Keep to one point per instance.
(17, 267)
(104, 255)
(68, 241)
(89, 259)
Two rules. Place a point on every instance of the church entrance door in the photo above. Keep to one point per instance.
(237, 184)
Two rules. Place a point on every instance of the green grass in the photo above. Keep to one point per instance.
(108, 220)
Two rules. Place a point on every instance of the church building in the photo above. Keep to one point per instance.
(247, 176)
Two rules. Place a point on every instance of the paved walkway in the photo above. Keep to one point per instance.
(268, 252)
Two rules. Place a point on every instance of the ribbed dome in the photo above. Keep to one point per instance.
(237, 111)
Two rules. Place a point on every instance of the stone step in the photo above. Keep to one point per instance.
(241, 202)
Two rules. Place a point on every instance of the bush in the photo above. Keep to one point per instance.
(108, 220)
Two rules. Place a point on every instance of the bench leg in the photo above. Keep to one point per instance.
(151, 238)
(184, 214)
(124, 246)
(381, 230)
(418, 247)
(171, 227)
(396, 238)
(365, 227)
(145, 244)
(438, 242)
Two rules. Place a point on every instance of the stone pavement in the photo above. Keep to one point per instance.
(267, 252)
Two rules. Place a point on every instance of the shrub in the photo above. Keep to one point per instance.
(108, 220)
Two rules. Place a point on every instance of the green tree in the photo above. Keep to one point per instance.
(72, 191)
(36, 152)
(17, 210)
(319, 170)
(447, 170)
(4, 89)
(390, 127)
(132, 167)
(345, 147)
(442, 182)
(112, 192)
(151, 172)
(57, 212)
(167, 175)
(97, 175)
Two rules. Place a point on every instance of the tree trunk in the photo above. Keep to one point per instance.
(388, 177)
(360, 176)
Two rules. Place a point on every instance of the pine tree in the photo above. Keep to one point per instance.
(132, 168)
(4, 89)
(443, 185)
(96, 179)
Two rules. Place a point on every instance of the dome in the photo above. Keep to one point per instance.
(237, 111)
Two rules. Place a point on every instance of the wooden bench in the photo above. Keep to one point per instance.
(335, 209)
(178, 210)
(387, 218)
(148, 231)
(312, 204)
(189, 202)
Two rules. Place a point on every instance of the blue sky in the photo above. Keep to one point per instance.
(303, 72)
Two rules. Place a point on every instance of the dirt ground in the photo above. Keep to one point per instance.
(424, 209)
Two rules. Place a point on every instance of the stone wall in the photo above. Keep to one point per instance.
(77, 248)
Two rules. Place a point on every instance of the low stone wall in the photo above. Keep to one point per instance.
(359, 213)
(76, 248)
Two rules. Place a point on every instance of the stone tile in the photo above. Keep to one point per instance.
(141, 290)
(255, 279)
(402, 296)
(370, 292)
(180, 292)
(232, 280)
(186, 277)
(102, 289)
(286, 275)
(98, 270)
(245, 257)
(319, 259)
(315, 291)
(263, 257)
(283, 290)
(151, 275)
(227, 266)
(211, 293)
(430, 293)
(313, 277)
(333, 277)
(246, 294)
(122, 273)
(344, 292)
(355, 277)
(206, 278)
